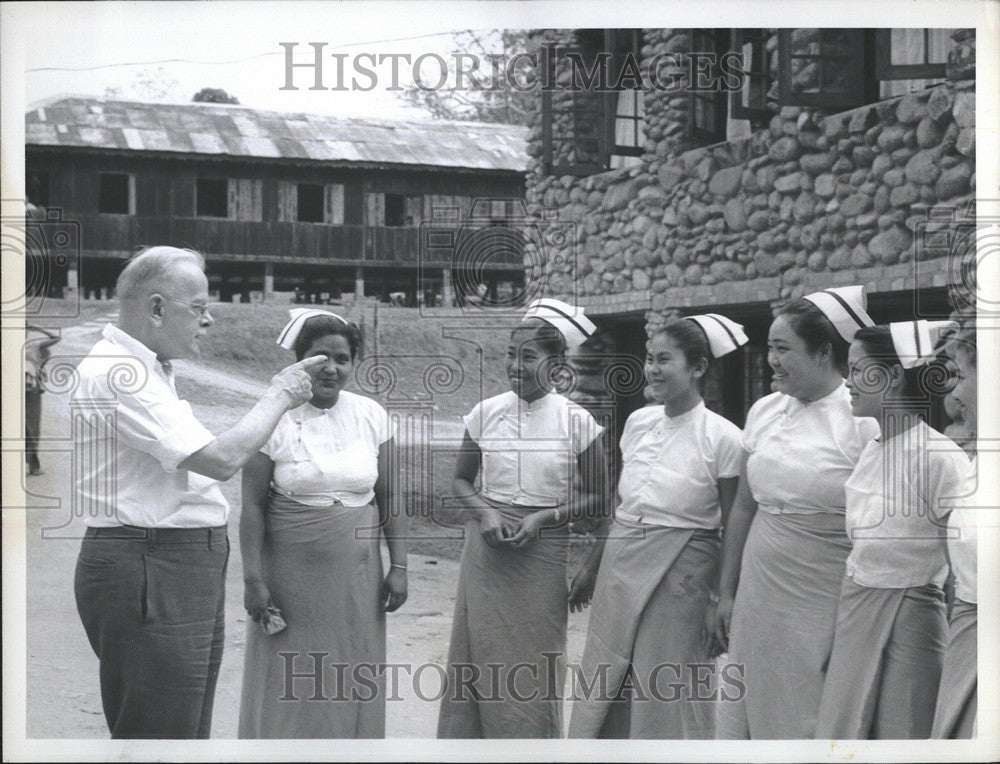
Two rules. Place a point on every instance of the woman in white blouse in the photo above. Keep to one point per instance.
(957, 701)
(785, 544)
(506, 663)
(883, 675)
(315, 501)
(655, 568)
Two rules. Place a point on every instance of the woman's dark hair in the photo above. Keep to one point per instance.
(690, 338)
(322, 326)
(546, 335)
(816, 330)
(919, 383)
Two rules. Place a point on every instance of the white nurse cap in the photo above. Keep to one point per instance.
(914, 341)
(574, 326)
(724, 335)
(298, 318)
(845, 307)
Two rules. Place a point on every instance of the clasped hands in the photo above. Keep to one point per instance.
(498, 531)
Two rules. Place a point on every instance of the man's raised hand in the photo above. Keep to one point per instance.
(295, 381)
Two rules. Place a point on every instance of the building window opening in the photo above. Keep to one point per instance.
(629, 133)
(310, 203)
(113, 194)
(395, 214)
(212, 198)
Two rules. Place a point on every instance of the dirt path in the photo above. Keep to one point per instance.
(62, 679)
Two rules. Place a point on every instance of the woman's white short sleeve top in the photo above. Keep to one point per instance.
(671, 466)
(529, 450)
(801, 454)
(325, 455)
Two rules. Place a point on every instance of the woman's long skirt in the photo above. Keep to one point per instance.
(645, 631)
(506, 664)
(883, 677)
(783, 622)
(955, 715)
(323, 676)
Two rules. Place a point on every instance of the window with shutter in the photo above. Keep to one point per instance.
(707, 103)
(597, 119)
(908, 54)
(751, 102)
(823, 68)
(910, 59)
(625, 107)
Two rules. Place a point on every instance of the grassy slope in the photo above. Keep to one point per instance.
(58, 314)
(242, 342)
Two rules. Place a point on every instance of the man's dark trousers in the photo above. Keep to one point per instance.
(32, 426)
(152, 603)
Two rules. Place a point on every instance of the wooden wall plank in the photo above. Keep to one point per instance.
(374, 209)
(288, 201)
(333, 208)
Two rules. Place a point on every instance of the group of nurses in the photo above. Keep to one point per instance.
(832, 507)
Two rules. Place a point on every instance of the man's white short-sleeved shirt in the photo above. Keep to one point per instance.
(131, 431)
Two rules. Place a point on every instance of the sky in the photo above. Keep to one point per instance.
(89, 48)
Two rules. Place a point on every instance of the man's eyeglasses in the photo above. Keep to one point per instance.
(200, 310)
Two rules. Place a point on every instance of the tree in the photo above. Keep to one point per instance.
(214, 95)
(493, 48)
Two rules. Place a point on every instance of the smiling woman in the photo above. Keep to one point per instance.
(511, 606)
(789, 557)
(328, 335)
(652, 585)
(314, 500)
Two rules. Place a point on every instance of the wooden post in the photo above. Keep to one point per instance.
(268, 281)
(359, 284)
(447, 293)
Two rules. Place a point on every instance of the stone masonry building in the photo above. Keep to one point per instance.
(847, 157)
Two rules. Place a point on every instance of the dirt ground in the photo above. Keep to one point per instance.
(63, 699)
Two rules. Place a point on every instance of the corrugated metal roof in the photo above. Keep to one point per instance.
(228, 130)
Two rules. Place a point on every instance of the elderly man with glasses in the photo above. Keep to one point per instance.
(150, 578)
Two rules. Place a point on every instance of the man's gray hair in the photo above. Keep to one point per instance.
(149, 266)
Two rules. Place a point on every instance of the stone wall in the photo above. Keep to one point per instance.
(811, 193)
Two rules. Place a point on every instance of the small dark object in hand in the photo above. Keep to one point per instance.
(271, 620)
